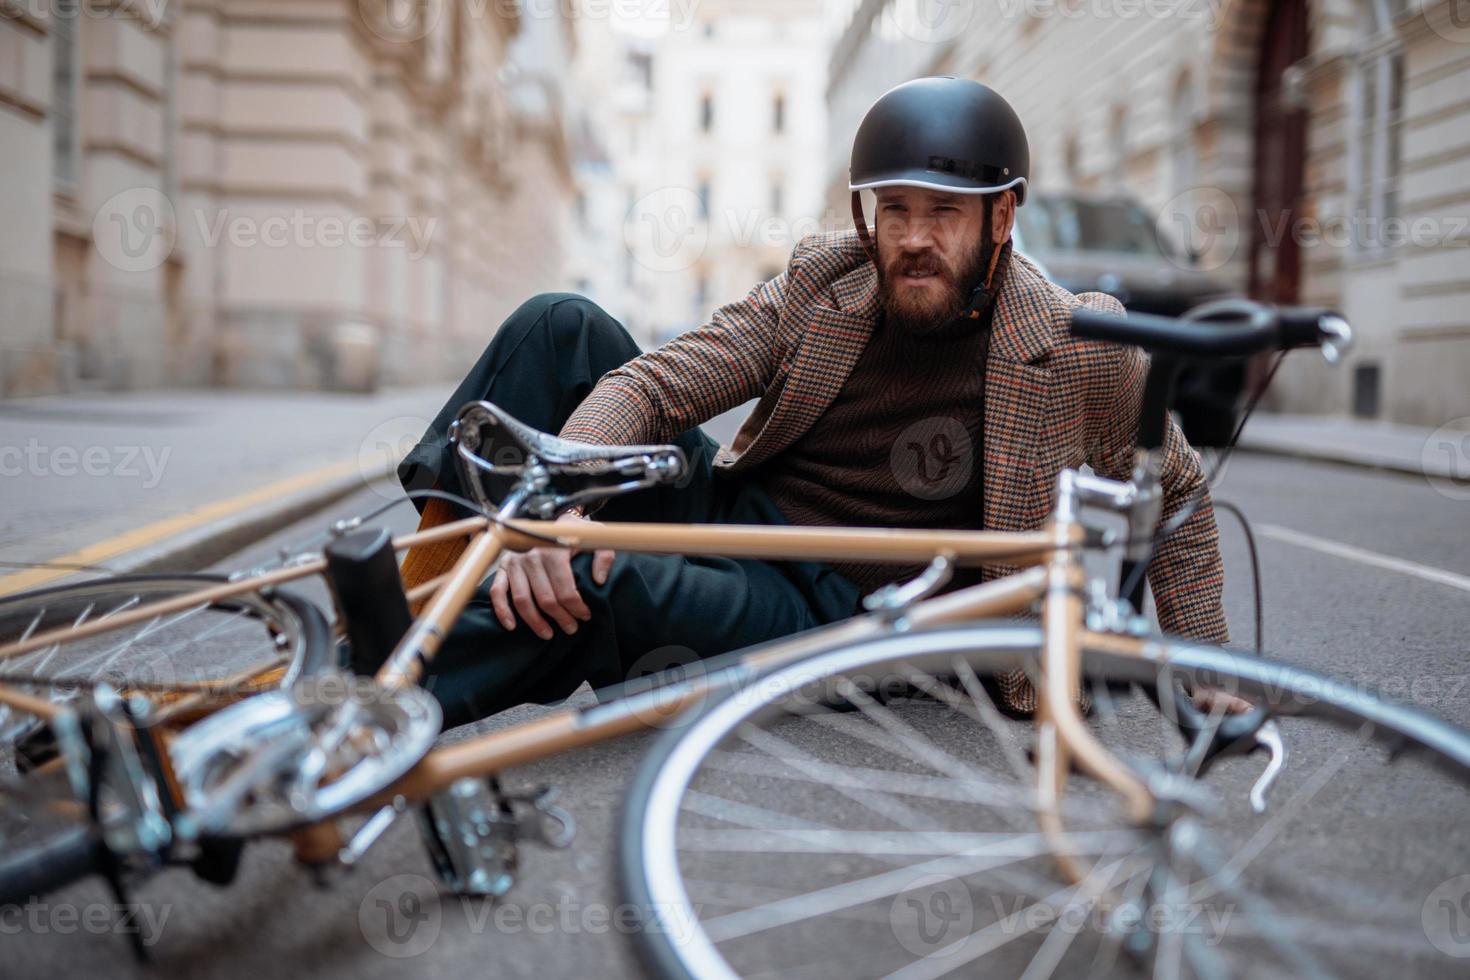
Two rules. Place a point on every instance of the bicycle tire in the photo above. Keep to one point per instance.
(649, 873)
(50, 854)
(304, 628)
(63, 860)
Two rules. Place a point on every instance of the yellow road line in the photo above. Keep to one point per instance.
(162, 530)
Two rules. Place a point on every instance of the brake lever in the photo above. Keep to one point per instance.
(1268, 737)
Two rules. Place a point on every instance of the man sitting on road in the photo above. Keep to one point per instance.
(918, 376)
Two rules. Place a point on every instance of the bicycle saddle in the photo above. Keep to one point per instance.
(497, 454)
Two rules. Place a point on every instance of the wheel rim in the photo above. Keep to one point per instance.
(224, 649)
(700, 943)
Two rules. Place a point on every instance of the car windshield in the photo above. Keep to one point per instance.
(1066, 224)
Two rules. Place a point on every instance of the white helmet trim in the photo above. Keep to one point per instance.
(910, 182)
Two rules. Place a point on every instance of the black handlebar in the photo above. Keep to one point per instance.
(1224, 329)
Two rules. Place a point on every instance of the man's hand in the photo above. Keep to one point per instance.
(1211, 700)
(540, 585)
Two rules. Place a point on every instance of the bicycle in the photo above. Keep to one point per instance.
(739, 777)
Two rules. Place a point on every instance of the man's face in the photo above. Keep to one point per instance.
(929, 255)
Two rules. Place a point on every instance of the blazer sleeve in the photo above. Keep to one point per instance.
(689, 380)
(1187, 575)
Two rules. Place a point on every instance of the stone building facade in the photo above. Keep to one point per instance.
(722, 127)
(271, 193)
(1313, 151)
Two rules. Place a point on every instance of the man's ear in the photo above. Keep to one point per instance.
(1003, 216)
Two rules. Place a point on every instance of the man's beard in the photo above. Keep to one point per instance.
(936, 316)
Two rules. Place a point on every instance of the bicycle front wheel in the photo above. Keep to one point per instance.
(868, 812)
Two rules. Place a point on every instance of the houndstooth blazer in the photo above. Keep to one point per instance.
(1052, 401)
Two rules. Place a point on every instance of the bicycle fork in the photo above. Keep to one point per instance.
(1062, 735)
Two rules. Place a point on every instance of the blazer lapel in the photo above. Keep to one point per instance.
(1017, 400)
(825, 355)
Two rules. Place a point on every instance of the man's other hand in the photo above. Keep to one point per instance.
(539, 585)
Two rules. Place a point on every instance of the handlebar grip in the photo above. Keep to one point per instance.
(55, 864)
(1166, 335)
(1301, 326)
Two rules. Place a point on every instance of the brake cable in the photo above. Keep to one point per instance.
(1192, 504)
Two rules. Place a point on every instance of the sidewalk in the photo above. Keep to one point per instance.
(173, 480)
(1438, 454)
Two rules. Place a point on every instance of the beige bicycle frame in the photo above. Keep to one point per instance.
(1052, 575)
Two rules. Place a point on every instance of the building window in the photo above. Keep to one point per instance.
(1377, 110)
(642, 66)
(66, 80)
(778, 114)
(706, 112)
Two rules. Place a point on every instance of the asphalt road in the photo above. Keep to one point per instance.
(1398, 624)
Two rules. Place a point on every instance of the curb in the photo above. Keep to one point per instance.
(1382, 464)
(201, 547)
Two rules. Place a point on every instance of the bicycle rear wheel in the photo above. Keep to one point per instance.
(774, 834)
(211, 650)
(186, 663)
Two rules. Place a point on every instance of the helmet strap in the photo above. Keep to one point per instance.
(861, 221)
(982, 296)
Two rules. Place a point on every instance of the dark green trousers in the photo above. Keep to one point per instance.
(653, 611)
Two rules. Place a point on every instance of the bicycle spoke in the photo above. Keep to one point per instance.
(920, 750)
(985, 941)
(885, 884)
(990, 715)
(921, 843)
(1044, 963)
(1263, 837)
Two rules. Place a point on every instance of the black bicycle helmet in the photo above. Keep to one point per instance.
(948, 133)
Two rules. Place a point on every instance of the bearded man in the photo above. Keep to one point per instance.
(918, 375)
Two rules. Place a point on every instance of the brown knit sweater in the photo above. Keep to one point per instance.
(897, 448)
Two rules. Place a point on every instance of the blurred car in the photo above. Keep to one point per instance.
(1113, 245)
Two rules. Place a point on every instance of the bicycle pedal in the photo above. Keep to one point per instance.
(473, 831)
